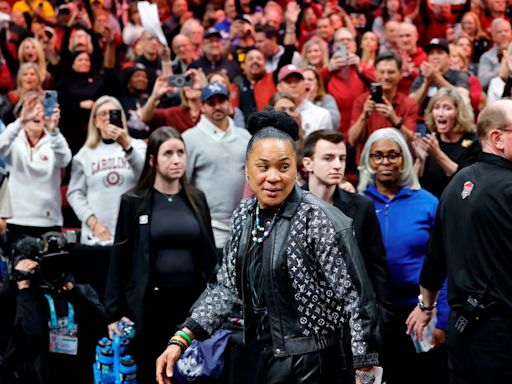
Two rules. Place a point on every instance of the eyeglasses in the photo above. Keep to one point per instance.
(378, 158)
(102, 114)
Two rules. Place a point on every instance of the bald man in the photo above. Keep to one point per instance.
(471, 244)
(184, 53)
(412, 55)
(489, 65)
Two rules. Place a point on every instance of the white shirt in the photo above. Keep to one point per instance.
(314, 117)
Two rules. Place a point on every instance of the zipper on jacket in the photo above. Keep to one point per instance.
(386, 220)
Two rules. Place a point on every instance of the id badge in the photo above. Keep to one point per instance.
(64, 344)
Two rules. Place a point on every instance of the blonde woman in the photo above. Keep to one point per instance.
(315, 54)
(451, 144)
(32, 51)
(108, 165)
(35, 153)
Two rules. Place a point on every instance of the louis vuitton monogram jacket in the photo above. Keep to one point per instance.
(314, 278)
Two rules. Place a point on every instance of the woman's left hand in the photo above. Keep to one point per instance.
(52, 122)
(430, 139)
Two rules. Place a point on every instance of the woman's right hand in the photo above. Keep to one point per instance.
(101, 231)
(114, 327)
(165, 364)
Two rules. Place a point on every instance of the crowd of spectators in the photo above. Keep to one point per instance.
(437, 65)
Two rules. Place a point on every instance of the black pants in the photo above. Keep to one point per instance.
(164, 310)
(401, 363)
(321, 367)
(482, 356)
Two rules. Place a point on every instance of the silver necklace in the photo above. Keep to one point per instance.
(169, 197)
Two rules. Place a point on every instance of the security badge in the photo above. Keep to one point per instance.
(467, 189)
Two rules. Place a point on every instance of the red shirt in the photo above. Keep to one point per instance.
(404, 106)
(344, 92)
(415, 59)
(263, 91)
(177, 117)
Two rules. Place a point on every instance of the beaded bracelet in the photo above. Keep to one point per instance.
(178, 343)
(179, 338)
(184, 335)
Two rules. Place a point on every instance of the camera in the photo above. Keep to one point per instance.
(179, 81)
(376, 92)
(50, 253)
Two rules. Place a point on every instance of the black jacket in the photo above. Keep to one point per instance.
(471, 241)
(129, 270)
(369, 238)
(24, 356)
(313, 278)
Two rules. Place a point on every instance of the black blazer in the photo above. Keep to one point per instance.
(369, 239)
(129, 270)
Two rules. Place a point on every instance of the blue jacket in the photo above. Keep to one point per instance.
(406, 222)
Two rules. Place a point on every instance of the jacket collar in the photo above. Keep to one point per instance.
(372, 191)
(499, 161)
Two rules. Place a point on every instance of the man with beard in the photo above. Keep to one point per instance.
(216, 158)
(256, 86)
(133, 97)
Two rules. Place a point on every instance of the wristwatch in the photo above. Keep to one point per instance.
(128, 150)
(424, 307)
(365, 377)
(399, 124)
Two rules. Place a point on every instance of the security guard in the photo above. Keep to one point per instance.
(472, 244)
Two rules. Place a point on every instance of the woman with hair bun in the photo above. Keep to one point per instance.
(293, 262)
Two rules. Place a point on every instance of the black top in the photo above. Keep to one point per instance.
(455, 78)
(464, 152)
(471, 237)
(229, 67)
(173, 241)
(255, 279)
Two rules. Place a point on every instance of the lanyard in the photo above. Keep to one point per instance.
(53, 313)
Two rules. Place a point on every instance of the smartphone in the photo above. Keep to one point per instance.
(341, 50)
(179, 81)
(114, 117)
(422, 129)
(376, 92)
(50, 102)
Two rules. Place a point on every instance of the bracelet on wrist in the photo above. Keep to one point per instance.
(178, 343)
(185, 336)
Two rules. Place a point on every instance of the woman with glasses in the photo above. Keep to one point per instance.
(108, 165)
(451, 144)
(406, 213)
